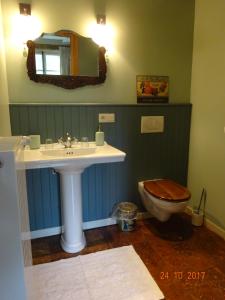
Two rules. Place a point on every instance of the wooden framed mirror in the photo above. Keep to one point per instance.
(66, 59)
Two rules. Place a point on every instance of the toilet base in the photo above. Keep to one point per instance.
(177, 228)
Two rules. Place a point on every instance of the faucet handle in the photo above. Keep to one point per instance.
(68, 137)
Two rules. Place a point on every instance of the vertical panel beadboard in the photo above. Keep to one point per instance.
(43, 199)
(158, 155)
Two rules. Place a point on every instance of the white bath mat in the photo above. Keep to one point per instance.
(115, 274)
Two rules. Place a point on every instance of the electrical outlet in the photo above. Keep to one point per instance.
(151, 124)
(106, 118)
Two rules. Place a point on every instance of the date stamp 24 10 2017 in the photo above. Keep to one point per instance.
(179, 275)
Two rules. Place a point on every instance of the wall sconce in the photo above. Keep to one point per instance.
(25, 9)
(24, 27)
(101, 19)
(25, 12)
(102, 34)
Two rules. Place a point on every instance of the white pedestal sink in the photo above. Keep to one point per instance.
(70, 163)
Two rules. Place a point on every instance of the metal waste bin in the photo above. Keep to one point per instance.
(126, 214)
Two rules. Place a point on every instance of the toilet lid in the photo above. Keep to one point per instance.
(167, 190)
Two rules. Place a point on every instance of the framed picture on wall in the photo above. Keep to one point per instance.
(152, 89)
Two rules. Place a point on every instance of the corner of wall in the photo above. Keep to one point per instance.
(5, 129)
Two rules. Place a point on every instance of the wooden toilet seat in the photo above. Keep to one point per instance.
(167, 190)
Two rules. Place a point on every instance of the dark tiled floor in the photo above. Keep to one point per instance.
(189, 269)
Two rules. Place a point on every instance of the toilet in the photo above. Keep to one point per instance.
(163, 197)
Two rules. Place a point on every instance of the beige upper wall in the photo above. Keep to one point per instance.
(151, 37)
(207, 148)
(4, 100)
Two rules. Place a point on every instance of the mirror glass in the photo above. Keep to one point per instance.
(66, 59)
(64, 53)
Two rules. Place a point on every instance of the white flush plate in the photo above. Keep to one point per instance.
(152, 124)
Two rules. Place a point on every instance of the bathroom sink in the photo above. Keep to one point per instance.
(71, 158)
(70, 164)
(69, 152)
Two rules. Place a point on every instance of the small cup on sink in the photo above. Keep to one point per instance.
(84, 142)
(74, 142)
(48, 143)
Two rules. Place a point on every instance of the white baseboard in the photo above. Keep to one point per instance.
(215, 228)
(57, 230)
(209, 224)
(98, 223)
(110, 221)
(45, 232)
(86, 225)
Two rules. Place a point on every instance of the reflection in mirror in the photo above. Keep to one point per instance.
(73, 55)
(66, 59)
(52, 55)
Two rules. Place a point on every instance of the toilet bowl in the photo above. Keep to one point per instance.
(163, 197)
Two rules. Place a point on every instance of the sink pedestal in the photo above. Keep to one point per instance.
(72, 238)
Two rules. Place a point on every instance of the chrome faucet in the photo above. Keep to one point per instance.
(67, 142)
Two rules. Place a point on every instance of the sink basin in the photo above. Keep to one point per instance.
(70, 164)
(69, 152)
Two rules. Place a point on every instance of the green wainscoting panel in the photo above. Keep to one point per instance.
(154, 155)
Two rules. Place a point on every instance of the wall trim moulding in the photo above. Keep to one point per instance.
(106, 222)
(57, 230)
(97, 104)
(86, 225)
